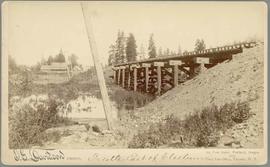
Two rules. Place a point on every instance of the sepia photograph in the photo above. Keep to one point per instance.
(134, 82)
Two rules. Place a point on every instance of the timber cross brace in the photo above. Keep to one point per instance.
(158, 75)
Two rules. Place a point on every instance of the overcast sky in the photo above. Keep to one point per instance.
(37, 29)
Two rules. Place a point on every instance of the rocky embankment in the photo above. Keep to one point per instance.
(241, 79)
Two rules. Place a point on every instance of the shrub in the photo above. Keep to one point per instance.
(95, 128)
(130, 99)
(29, 118)
(20, 84)
(201, 129)
(67, 92)
(54, 136)
(87, 126)
(159, 134)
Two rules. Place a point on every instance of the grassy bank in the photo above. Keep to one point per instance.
(202, 129)
(29, 119)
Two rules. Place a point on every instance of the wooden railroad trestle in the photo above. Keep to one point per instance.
(158, 75)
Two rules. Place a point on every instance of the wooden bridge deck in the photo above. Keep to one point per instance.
(157, 75)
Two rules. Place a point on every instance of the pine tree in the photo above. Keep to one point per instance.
(142, 52)
(50, 60)
(12, 65)
(172, 53)
(117, 48)
(120, 56)
(179, 51)
(73, 59)
(123, 48)
(167, 52)
(131, 53)
(199, 45)
(160, 54)
(60, 58)
(151, 48)
(112, 51)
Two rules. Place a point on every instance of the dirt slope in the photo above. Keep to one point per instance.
(240, 79)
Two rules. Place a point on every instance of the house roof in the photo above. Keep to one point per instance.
(54, 66)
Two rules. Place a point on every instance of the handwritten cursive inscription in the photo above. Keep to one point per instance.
(38, 155)
(141, 157)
